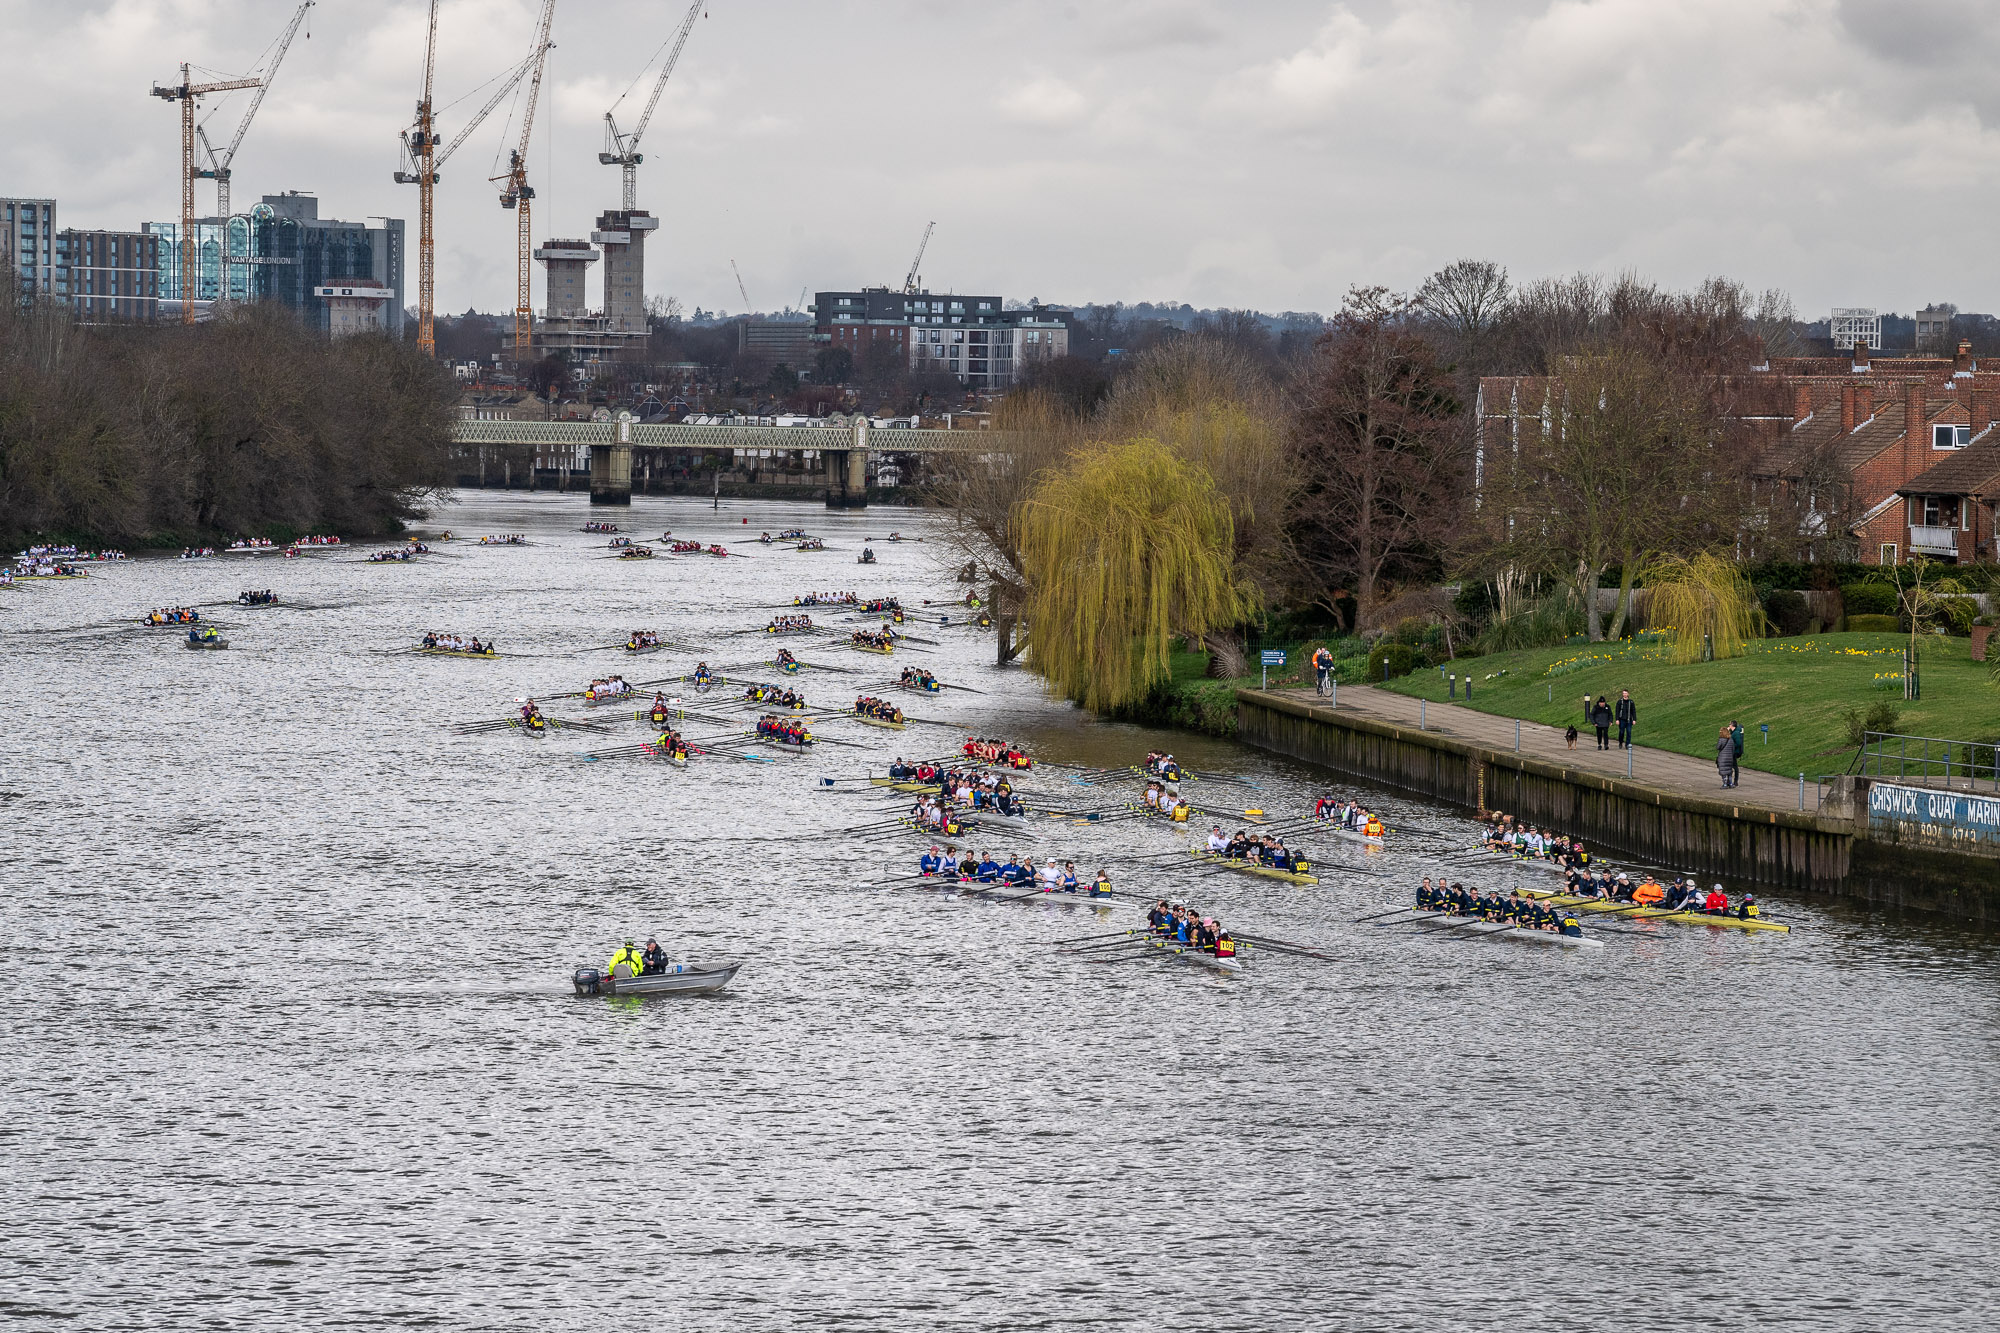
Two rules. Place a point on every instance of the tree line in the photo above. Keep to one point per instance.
(1231, 475)
(250, 424)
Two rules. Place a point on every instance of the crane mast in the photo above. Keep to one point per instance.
(622, 150)
(187, 92)
(515, 192)
(419, 151)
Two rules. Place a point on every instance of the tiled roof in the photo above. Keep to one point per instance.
(1973, 470)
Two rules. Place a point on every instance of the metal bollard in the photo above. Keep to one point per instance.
(1420, 715)
(1802, 791)
(1628, 761)
(1517, 732)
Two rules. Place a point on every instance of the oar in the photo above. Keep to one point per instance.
(1380, 915)
(1080, 939)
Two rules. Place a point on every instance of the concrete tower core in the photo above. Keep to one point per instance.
(623, 236)
(568, 262)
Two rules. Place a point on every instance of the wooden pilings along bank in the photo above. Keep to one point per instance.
(1787, 848)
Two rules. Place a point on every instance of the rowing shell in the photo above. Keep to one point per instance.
(878, 721)
(1014, 893)
(1194, 955)
(207, 644)
(454, 652)
(1524, 934)
(1351, 835)
(1251, 868)
(864, 648)
(1631, 913)
(1525, 862)
(904, 784)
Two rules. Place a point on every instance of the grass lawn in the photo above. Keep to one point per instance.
(1801, 687)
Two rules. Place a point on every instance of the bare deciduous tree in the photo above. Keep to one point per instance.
(1382, 458)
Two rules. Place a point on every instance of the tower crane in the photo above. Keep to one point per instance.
(217, 169)
(740, 291)
(910, 282)
(423, 157)
(187, 92)
(622, 150)
(515, 192)
(419, 146)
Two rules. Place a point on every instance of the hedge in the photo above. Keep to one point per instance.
(1388, 660)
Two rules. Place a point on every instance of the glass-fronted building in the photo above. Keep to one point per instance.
(283, 251)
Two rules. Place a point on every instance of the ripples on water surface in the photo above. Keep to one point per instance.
(289, 1038)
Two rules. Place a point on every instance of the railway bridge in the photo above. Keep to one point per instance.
(843, 448)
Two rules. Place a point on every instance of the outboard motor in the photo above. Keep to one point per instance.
(586, 980)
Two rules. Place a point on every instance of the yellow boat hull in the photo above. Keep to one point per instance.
(1630, 913)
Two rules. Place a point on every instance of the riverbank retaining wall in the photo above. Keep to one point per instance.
(1833, 850)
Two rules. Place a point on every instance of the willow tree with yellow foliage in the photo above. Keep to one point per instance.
(1127, 548)
(1704, 605)
(1204, 403)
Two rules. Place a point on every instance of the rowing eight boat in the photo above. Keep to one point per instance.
(1633, 912)
(1252, 868)
(1499, 929)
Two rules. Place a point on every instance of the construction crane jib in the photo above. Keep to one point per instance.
(187, 92)
(515, 192)
(622, 150)
(910, 281)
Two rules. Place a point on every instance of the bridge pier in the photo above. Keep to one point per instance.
(846, 478)
(611, 474)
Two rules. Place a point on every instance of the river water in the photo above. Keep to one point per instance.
(289, 1038)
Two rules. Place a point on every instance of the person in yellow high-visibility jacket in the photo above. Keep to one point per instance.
(628, 958)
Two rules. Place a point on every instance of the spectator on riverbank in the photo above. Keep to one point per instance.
(1626, 712)
(1725, 756)
(1600, 717)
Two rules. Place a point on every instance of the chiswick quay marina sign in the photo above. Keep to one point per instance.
(1954, 821)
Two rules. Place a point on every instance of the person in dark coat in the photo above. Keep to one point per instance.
(1725, 757)
(1626, 712)
(1600, 717)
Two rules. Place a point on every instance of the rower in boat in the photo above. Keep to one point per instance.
(872, 640)
(641, 638)
(658, 712)
(867, 556)
(702, 677)
(788, 624)
(869, 706)
(786, 662)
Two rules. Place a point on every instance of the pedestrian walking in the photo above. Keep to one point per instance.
(1627, 713)
(1725, 757)
(1736, 742)
(1600, 717)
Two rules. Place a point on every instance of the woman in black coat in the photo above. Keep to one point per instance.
(1600, 717)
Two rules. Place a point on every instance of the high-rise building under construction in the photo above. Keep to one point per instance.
(623, 236)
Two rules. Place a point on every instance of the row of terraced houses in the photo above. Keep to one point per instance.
(1873, 458)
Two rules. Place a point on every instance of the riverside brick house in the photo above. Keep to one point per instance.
(1875, 459)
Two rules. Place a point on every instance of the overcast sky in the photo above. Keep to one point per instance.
(1268, 154)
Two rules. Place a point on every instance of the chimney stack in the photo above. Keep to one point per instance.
(1864, 401)
(1962, 364)
(1802, 404)
(1847, 399)
(1915, 419)
(1860, 354)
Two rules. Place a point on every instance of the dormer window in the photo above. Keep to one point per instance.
(1950, 437)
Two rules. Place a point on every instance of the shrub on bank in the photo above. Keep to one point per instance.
(1868, 599)
(1386, 661)
(1873, 624)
